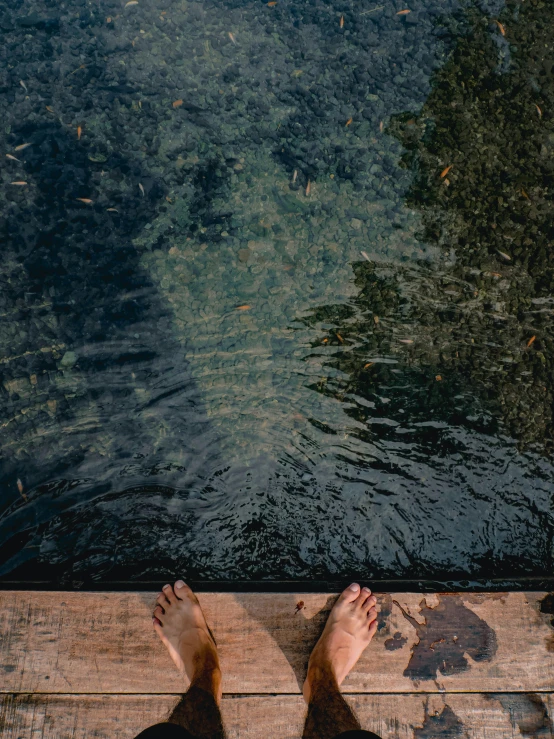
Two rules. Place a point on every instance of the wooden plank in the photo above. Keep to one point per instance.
(467, 716)
(104, 643)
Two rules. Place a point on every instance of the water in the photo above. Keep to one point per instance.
(277, 294)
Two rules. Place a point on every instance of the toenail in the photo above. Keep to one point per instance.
(366, 590)
(179, 584)
(165, 587)
(354, 586)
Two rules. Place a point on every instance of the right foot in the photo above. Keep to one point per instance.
(180, 623)
(349, 629)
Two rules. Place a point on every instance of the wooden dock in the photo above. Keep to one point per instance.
(454, 666)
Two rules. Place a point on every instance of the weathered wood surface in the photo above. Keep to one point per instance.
(104, 643)
(467, 716)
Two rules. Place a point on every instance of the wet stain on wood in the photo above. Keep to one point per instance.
(528, 713)
(443, 725)
(450, 631)
(397, 642)
(385, 610)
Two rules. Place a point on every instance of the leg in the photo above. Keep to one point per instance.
(179, 622)
(349, 629)
(165, 731)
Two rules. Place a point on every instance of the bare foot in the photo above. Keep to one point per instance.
(179, 622)
(349, 629)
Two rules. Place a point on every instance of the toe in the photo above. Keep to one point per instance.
(370, 602)
(162, 601)
(372, 614)
(372, 629)
(363, 596)
(351, 593)
(159, 614)
(169, 594)
(182, 590)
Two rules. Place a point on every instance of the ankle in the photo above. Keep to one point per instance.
(321, 676)
(209, 683)
(207, 677)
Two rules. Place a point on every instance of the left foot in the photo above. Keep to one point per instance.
(180, 623)
(349, 629)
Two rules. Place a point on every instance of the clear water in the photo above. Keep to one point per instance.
(251, 326)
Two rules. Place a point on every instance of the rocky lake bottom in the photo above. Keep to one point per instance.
(276, 291)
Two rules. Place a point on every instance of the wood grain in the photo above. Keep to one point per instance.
(103, 643)
(467, 716)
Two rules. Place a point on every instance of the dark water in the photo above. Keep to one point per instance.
(276, 297)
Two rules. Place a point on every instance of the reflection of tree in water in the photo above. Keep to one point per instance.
(472, 322)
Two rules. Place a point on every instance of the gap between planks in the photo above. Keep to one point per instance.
(354, 696)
